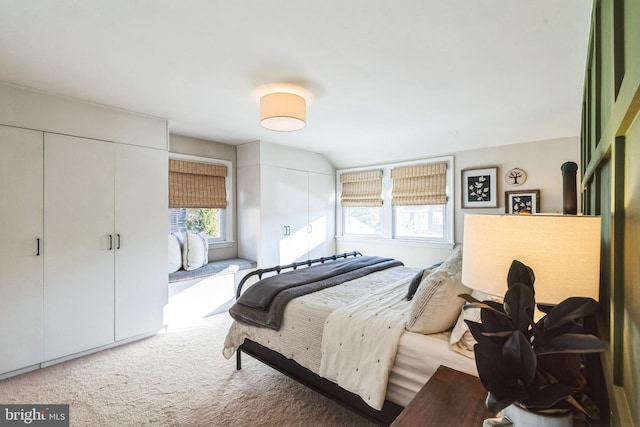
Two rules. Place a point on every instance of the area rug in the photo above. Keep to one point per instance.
(177, 378)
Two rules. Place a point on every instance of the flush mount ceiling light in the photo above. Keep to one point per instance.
(284, 112)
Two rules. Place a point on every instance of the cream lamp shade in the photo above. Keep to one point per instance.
(283, 112)
(562, 250)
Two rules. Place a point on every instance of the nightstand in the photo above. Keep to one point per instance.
(449, 398)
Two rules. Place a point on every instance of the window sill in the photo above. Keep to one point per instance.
(225, 244)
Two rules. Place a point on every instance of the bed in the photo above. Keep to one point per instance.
(317, 333)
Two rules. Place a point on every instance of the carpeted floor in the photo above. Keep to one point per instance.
(178, 378)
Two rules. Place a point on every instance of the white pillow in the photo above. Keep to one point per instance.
(436, 305)
(452, 265)
(175, 254)
(180, 236)
(195, 252)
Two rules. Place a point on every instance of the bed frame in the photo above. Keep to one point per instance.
(303, 375)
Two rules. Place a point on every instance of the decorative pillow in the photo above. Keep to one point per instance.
(436, 304)
(415, 282)
(205, 239)
(180, 236)
(175, 254)
(453, 265)
(461, 339)
(195, 251)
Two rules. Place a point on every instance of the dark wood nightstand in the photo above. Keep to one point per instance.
(449, 398)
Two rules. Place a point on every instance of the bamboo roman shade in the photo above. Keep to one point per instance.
(361, 189)
(197, 185)
(419, 185)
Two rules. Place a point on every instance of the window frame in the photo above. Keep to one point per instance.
(228, 212)
(388, 210)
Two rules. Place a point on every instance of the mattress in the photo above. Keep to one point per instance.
(300, 336)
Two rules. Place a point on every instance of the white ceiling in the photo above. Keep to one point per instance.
(390, 80)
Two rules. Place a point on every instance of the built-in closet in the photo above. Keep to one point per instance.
(83, 248)
(286, 204)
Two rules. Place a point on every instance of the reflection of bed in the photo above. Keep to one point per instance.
(295, 348)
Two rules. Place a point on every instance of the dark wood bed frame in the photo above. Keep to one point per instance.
(303, 375)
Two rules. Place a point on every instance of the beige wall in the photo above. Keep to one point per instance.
(541, 160)
(180, 144)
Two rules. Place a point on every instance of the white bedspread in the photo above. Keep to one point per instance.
(360, 341)
(300, 336)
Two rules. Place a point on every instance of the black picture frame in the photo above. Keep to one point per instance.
(480, 187)
(522, 201)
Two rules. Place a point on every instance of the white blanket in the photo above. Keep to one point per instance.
(360, 341)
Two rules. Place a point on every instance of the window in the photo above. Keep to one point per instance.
(412, 203)
(424, 222)
(195, 220)
(199, 190)
(361, 199)
(363, 220)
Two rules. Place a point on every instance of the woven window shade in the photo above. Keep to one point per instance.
(197, 185)
(419, 185)
(361, 189)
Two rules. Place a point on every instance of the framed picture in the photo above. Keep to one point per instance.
(480, 188)
(523, 201)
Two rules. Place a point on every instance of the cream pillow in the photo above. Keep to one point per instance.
(195, 251)
(175, 254)
(453, 265)
(436, 305)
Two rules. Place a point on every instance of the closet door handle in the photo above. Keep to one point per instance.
(110, 242)
(118, 247)
(38, 252)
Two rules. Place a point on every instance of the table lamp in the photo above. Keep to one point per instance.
(562, 250)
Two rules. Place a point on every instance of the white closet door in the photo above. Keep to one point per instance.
(321, 214)
(78, 223)
(273, 214)
(141, 218)
(295, 246)
(21, 157)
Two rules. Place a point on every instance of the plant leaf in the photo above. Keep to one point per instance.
(545, 308)
(543, 335)
(495, 321)
(571, 343)
(491, 372)
(519, 358)
(493, 341)
(547, 397)
(503, 390)
(488, 305)
(520, 273)
(571, 309)
(519, 304)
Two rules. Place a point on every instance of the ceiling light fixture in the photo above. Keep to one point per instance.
(284, 112)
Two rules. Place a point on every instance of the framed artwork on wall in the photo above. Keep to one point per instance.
(523, 201)
(480, 188)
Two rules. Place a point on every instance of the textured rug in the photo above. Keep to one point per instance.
(177, 378)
